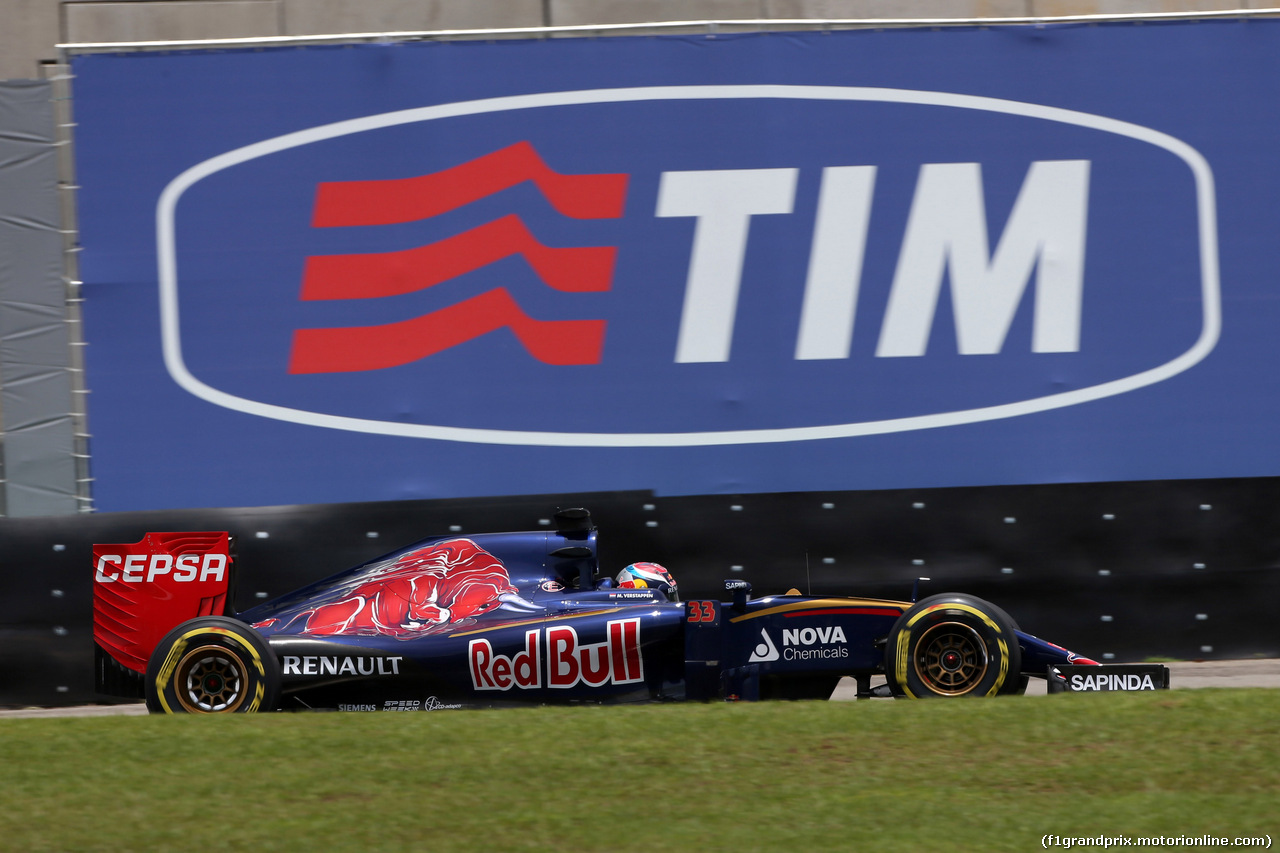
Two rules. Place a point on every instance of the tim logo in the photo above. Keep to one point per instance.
(898, 260)
(370, 276)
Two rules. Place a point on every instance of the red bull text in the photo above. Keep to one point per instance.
(617, 660)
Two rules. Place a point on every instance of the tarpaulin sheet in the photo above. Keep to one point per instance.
(691, 264)
(35, 386)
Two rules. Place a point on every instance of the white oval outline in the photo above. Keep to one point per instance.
(1205, 206)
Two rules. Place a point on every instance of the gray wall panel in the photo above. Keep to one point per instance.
(1131, 7)
(318, 17)
(169, 21)
(28, 33)
(566, 13)
(35, 351)
(898, 8)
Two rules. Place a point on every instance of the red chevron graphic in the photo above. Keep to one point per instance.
(559, 342)
(342, 203)
(575, 270)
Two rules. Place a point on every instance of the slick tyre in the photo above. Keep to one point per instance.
(212, 665)
(1014, 686)
(953, 645)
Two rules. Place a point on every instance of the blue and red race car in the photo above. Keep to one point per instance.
(499, 618)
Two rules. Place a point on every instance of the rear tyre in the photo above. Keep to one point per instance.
(212, 665)
(953, 645)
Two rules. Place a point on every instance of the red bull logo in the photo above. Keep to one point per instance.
(570, 662)
(499, 672)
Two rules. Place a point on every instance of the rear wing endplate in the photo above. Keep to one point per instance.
(142, 590)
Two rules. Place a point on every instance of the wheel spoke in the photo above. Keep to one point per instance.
(211, 680)
(951, 658)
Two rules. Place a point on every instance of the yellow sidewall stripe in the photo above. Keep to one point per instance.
(179, 646)
(902, 659)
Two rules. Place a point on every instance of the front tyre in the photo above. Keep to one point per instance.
(212, 665)
(953, 645)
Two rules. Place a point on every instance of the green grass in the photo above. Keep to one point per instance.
(993, 774)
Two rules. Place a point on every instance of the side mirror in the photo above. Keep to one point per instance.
(741, 591)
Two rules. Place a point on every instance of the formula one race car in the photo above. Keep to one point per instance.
(453, 622)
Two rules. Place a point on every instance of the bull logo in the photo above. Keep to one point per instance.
(423, 592)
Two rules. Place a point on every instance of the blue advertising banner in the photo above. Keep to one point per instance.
(697, 265)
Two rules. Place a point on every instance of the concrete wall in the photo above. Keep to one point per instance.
(29, 29)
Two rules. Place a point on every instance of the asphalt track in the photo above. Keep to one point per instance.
(1183, 675)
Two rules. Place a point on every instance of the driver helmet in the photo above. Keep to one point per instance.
(648, 576)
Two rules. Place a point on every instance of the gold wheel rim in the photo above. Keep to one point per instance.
(951, 658)
(210, 680)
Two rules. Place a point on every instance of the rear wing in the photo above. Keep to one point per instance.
(141, 591)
